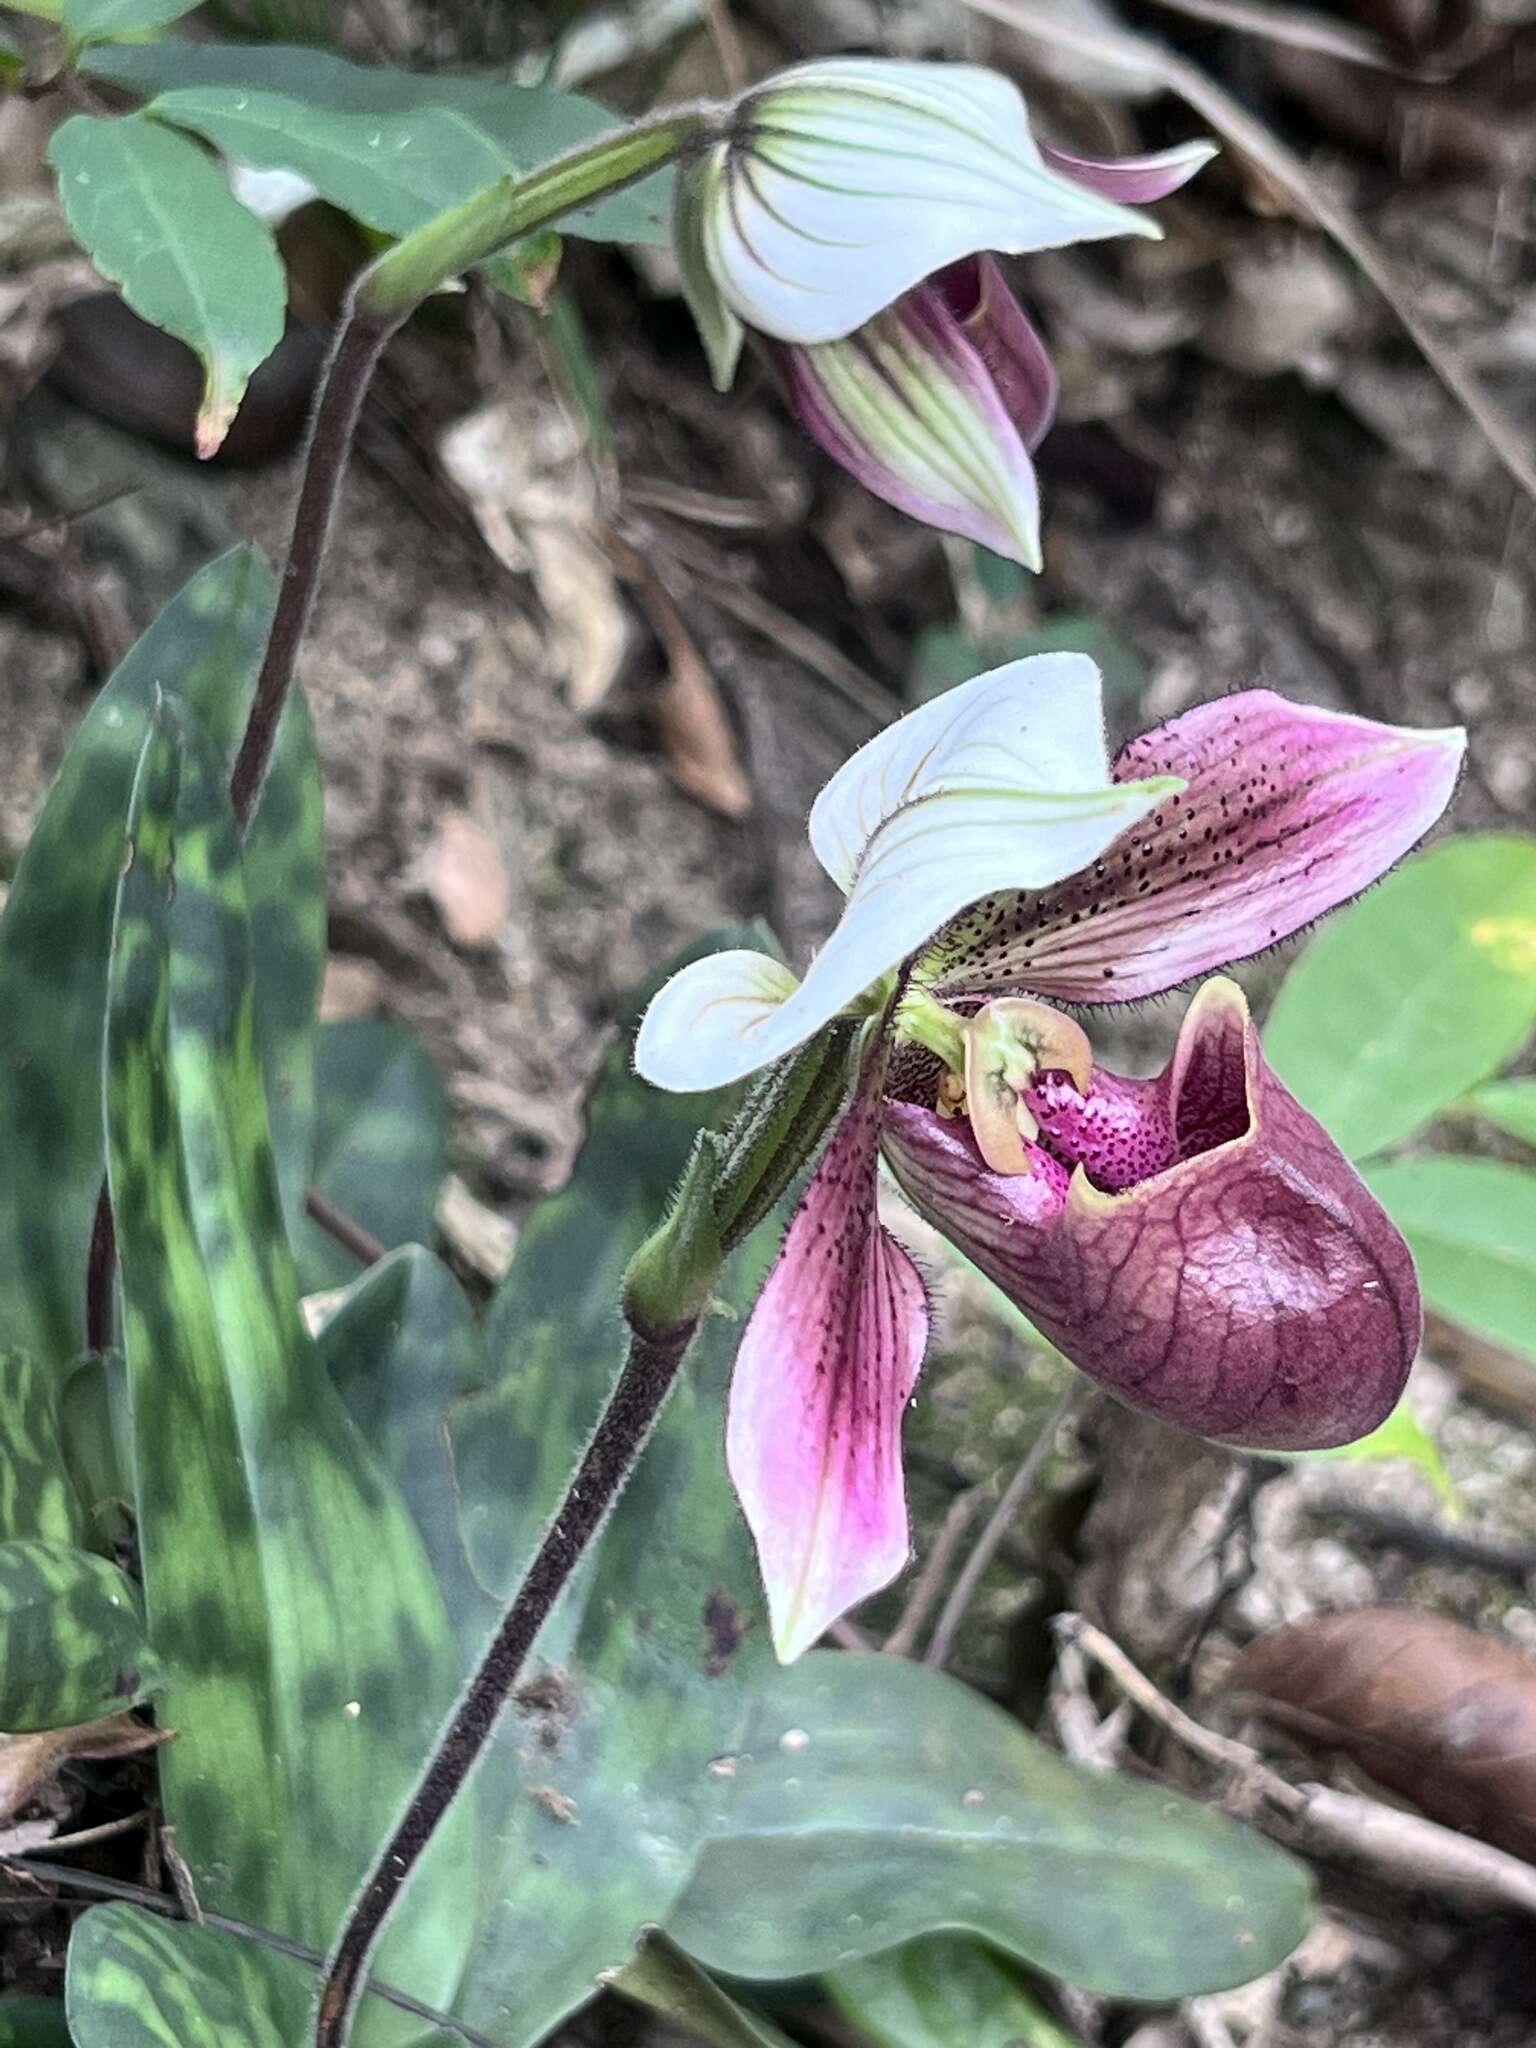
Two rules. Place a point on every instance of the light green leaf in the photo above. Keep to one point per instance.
(72, 1643)
(1414, 995)
(308, 1652)
(390, 171)
(154, 213)
(1403, 1436)
(36, 1496)
(99, 21)
(205, 646)
(643, 1669)
(527, 124)
(662, 1978)
(134, 1981)
(1509, 1104)
(381, 1142)
(875, 1800)
(1471, 1225)
(940, 1991)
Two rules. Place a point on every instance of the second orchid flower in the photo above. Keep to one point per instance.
(849, 220)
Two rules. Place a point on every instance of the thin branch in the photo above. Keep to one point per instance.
(1286, 170)
(902, 1640)
(1400, 1848)
(352, 1236)
(93, 1885)
(999, 1522)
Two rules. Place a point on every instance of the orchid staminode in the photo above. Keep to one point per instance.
(1195, 1241)
(848, 220)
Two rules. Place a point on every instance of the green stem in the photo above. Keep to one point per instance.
(518, 205)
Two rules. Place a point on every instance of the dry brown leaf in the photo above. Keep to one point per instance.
(1431, 1710)
(463, 873)
(352, 988)
(28, 1762)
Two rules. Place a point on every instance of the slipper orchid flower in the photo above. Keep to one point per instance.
(848, 219)
(1195, 1241)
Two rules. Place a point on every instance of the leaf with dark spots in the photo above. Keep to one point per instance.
(308, 1654)
(1430, 1709)
(205, 647)
(37, 1497)
(135, 1980)
(72, 1638)
(640, 1684)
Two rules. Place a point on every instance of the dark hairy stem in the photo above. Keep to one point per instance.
(648, 1375)
(352, 1236)
(100, 1267)
(353, 360)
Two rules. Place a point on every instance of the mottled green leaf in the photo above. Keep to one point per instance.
(381, 1142)
(91, 21)
(528, 124)
(155, 214)
(939, 1992)
(134, 1981)
(665, 1980)
(97, 1448)
(875, 1800)
(404, 1350)
(1471, 1225)
(643, 1669)
(56, 927)
(308, 1652)
(36, 1496)
(1415, 994)
(72, 1643)
(1509, 1104)
(33, 2023)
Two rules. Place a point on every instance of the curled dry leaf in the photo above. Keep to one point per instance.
(28, 1762)
(1431, 1710)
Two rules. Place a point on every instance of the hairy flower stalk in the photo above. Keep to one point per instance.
(847, 218)
(1193, 1241)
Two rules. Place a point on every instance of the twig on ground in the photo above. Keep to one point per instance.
(1290, 176)
(1001, 1519)
(1393, 1531)
(902, 1640)
(83, 1837)
(1301, 29)
(1400, 1848)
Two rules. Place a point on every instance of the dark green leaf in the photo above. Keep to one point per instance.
(940, 1991)
(528, 123)
(154, 213)
(403, 1350)
(205, 646)
(91, 21)
(644, 1666)
(36, 1496)
(662, 1978)
(72, 1643)
(1509, 1104)
(875, 1800)
(308, 1651)
(97, 1447)
(134, 1981)
(33, 2023)
(1415, 994)
(381, 1142)
(1471, 1225)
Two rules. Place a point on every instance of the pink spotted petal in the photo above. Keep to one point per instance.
(823, 1375)
(1132, 180)
(1253, 1291)
(1287, 813)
